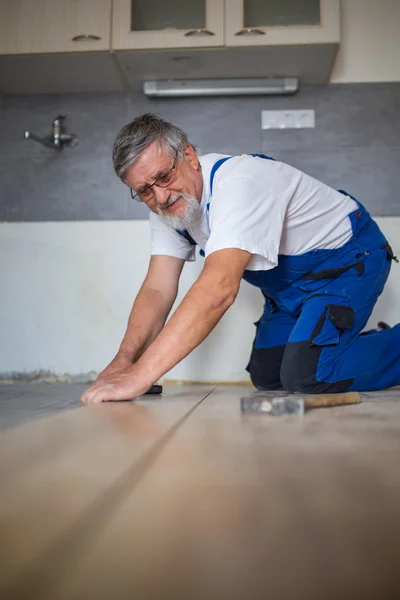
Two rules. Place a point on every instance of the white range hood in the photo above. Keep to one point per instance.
(186, 88)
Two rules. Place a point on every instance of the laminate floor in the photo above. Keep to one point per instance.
(21, 402)
(183, 496)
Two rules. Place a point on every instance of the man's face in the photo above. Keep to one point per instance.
(179, 185)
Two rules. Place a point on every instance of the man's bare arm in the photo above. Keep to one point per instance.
(200, 310)
(149, 312)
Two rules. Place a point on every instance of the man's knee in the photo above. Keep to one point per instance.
(264, 367)
(299, 371)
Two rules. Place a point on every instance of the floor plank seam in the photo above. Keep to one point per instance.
(71, 544)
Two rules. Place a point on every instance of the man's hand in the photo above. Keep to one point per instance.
(201, 309)
(118, 364)
(123, 385)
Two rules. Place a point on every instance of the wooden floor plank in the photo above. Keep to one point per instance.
(243, 506)
(59, 476)
(22, 401)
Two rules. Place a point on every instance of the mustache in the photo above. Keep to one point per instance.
(171, 201)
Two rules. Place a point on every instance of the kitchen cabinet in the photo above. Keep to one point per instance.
(285, 38)
(156, 24)
(281, 22)
(54, 26)
(98, 45)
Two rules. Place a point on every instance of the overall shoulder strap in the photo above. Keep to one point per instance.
(263, 156)
(221, 162)
(215, 168)
(184, 233)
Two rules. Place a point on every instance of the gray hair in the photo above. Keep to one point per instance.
(135, 137)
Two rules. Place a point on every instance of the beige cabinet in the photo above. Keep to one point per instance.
(281, 22)
(52, 26)
(152, 24)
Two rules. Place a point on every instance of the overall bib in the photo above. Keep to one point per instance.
(316, 306)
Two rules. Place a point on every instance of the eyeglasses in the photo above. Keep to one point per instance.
(163, 181)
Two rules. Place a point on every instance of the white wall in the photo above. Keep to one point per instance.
(370, 42)
(67, 289)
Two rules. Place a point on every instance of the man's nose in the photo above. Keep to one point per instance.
(161, 195)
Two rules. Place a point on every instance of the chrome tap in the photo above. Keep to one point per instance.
(58, 137)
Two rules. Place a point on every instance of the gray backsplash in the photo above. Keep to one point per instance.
(355, 145)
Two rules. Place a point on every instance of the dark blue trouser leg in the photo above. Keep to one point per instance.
(325, 351)
(273, 331)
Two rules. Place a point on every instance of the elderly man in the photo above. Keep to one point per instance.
(315, 253)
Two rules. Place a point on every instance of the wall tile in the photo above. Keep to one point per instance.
(346, 115)
(225, 125)
(136, 210)
(60, 189)
(355, 145)
(95, 118)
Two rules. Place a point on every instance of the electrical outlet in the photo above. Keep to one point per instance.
(287, 119)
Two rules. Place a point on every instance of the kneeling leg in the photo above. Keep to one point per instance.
(273, 331)
(326, 352)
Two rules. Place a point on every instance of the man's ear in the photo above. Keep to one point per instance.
(190, 155)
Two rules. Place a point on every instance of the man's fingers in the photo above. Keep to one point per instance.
(97, 393)
(120, 388)
(102, 395)
(105, 393)
(87, 394)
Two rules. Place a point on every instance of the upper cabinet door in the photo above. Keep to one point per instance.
(275, 22)
(47, 26)
(147, 24)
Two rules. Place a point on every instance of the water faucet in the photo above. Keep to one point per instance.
(58, 137)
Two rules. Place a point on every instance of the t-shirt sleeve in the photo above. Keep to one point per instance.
(246, 215)
(168, 242)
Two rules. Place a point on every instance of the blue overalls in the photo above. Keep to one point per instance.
(316, 306)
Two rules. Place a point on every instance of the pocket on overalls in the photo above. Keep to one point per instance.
(336, 319)
(378, 264)
(315, 281)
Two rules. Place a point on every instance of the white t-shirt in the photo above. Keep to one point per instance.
(263, 206)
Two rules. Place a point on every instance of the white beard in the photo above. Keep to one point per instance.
(191, 215)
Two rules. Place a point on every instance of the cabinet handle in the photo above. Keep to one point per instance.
(86, 37)
(250, 31)
(199, 32)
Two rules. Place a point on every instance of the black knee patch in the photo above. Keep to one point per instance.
(300, 360)
(299, 369)
(265, 366)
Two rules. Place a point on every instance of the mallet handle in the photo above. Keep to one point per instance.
(319, 400)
